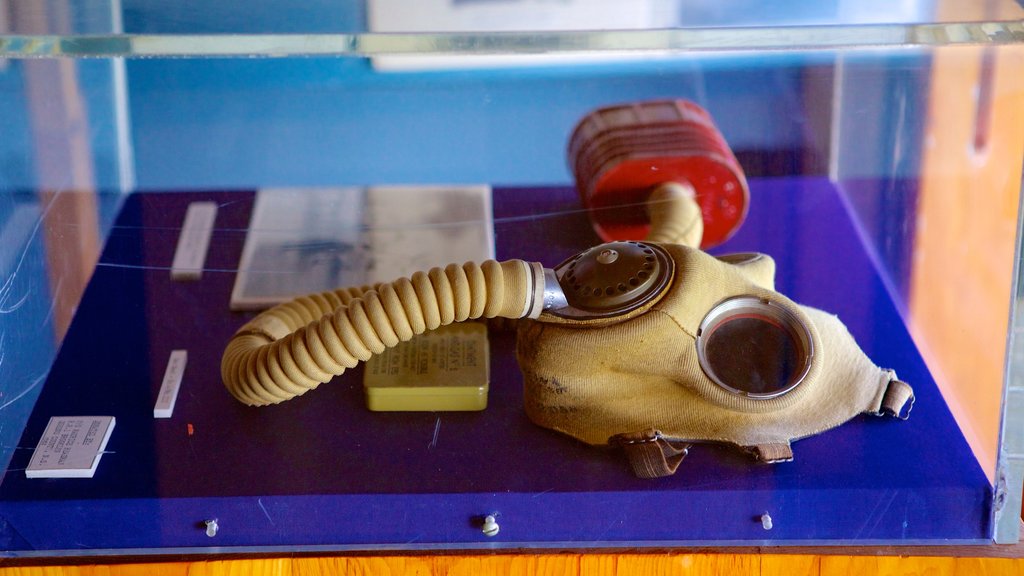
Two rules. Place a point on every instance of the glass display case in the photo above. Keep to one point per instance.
(169, 171)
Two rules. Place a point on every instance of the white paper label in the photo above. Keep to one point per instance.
(71, 447)
(190, 255)
(172, 382)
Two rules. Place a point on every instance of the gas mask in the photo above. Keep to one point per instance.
(646, 345)
(716, 355)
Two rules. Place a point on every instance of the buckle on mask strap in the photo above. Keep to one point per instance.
(650, 454)
(898, 400)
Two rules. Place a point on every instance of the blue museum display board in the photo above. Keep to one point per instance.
(322, 472)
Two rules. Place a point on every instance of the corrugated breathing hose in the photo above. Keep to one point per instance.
(296, 346)
(675, 215)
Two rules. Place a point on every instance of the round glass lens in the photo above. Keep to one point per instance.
(754, 347)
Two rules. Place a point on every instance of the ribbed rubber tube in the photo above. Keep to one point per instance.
(675, 215)
(298, 345)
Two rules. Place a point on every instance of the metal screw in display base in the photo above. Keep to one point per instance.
(490, 527)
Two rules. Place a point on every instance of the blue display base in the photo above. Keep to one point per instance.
(322, 472)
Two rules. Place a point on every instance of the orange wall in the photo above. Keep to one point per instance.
(965, 233)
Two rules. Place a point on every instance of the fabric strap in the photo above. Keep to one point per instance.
(898, 400)
(650, 454)
(773, 453)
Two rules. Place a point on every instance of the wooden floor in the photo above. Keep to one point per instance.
(553, 565)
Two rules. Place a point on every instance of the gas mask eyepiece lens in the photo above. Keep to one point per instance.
(754, 347)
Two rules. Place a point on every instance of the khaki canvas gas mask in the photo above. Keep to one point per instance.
(645, 345)
(715, 356)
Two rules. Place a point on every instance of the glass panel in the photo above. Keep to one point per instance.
(881, 145)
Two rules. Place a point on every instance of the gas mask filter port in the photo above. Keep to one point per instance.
(612, 279)
(754, 348)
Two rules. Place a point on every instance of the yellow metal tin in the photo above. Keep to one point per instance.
(447, 369)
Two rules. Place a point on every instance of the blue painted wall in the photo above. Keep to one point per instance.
(243, 123)
(16, 163)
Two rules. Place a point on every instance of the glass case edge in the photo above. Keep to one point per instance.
(361, 44)
(1006, 508)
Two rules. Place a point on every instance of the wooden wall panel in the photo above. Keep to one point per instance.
(557, 565)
